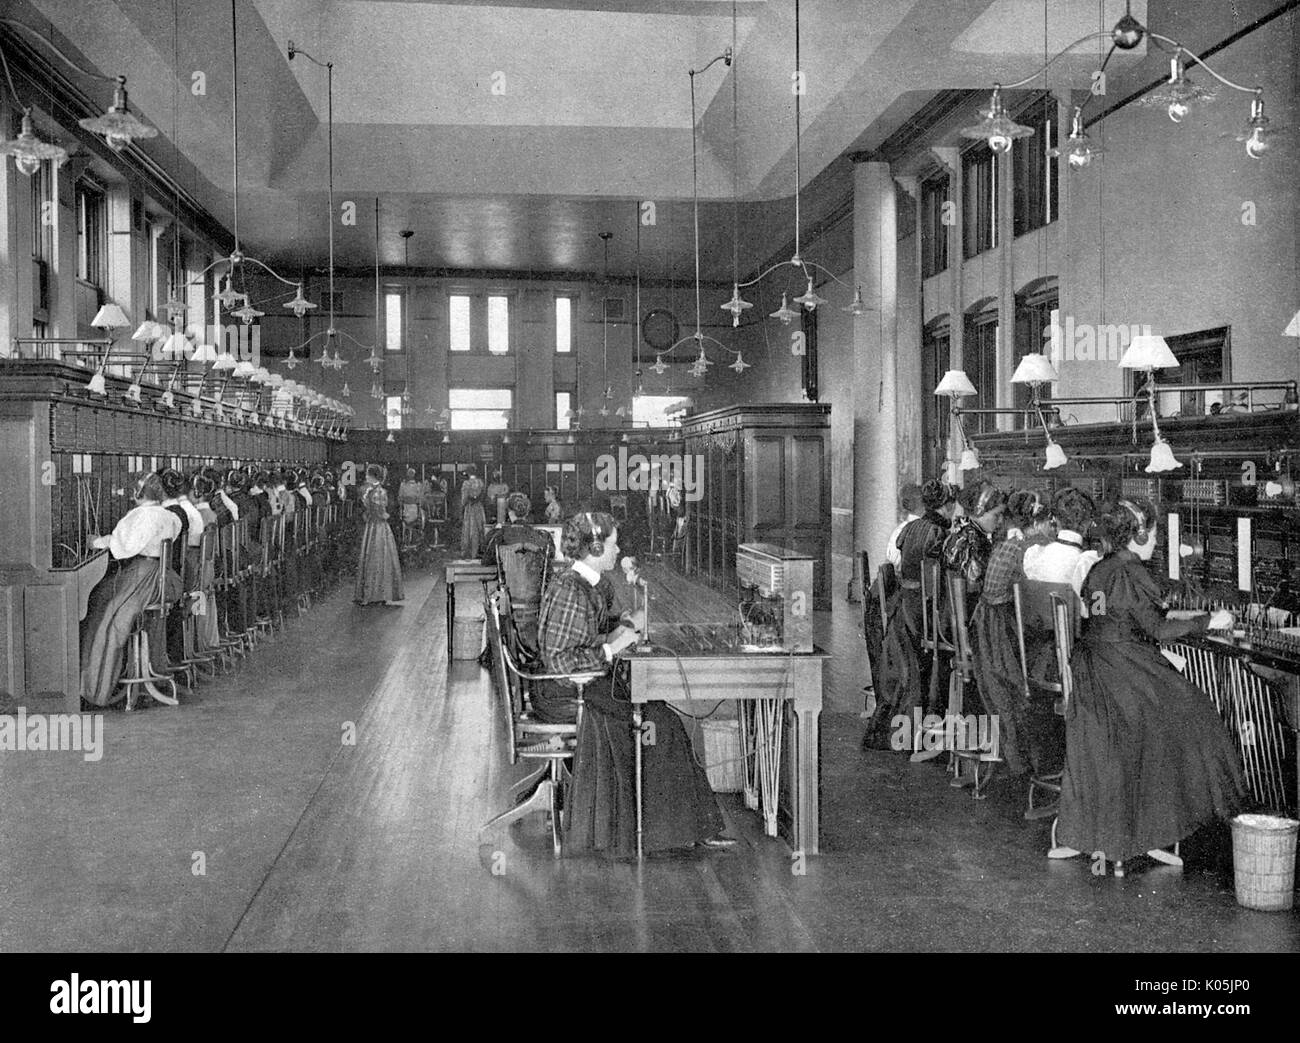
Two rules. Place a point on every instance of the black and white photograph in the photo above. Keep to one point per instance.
(652, 477)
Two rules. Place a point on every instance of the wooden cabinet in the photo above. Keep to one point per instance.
(764, 477)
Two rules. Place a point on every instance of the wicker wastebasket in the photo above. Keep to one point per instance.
(1263, 860)
(723, 759)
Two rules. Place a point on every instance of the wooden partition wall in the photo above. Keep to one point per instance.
(68, 465)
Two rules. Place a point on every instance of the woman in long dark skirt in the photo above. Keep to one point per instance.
(905, 671)
(1147, 758)
(129, 585)
(379, 571)
(993, 629)
(679, 809)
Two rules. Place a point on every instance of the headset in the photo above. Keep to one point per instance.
(1140, 533)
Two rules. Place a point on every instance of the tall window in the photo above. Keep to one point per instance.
(92, 235)
(1035, 172)
(979, 200)
(935, 417)
(564, 324)
(482, 409)
(458, 317)
(563, 403)
(980, 361)
(393, 412)
(394, 320)
(1034, 314)
(1204, 357)
(498, 324)
(43, 215)
(934, 233)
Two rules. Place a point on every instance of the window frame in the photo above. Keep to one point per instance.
(91, 208)
(979, 200)
(980, 363)
(572, 300)
(454, 410)
(562, 421)
(489, 297)
(402, 295)
(392, 416)
(1035, 176)
(468, 349)
(936, 190)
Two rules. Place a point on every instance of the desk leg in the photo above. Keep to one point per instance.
(637, 739)
(807, 750)
(451, 614)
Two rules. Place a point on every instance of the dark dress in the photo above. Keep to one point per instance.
(379, 572)
(1147, 759)
(904, 672)
(997, 654)
(679, 808)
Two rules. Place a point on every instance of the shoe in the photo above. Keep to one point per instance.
(1167, 857)
(719, 841)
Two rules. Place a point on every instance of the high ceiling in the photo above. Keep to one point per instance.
(508, 135)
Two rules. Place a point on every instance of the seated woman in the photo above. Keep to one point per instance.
(967, 548)
(904, 671)
(993, 628)
(129, 585)
(516, 531)
(1072, 511)
(1147, 759)
(575, 634)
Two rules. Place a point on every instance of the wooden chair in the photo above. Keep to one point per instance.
(139, 664)
(938, 642)
(200, 659)
(550, 745)
(522, 572)
(1036, 616)
(963, 673)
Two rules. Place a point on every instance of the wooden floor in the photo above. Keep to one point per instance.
(307, 843)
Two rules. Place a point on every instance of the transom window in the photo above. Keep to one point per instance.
(480, 409)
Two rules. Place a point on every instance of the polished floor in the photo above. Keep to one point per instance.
(246, 820)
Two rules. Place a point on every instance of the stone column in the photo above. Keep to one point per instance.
(877, 430)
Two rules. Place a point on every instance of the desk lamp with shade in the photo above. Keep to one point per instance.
(956, 385)
(110, 317)
(1148, 352)
(1036, 370)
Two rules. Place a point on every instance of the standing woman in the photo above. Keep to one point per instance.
(554, 509)
(576, 635)
(905, 673)
(379, 572)
(127, 587)
(472, 522)
(1147, 759)
(993, 628)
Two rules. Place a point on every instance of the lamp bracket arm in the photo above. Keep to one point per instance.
(16, 24)
(1051, 61)
(1204, 65)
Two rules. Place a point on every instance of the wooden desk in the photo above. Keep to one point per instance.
(470, 573)
(700, 658)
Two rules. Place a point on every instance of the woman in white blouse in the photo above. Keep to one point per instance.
(117, 600)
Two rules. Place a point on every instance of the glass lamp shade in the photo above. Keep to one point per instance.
(736, 305)
(997, 128)
(970, 459)
(955, 384)
(133, 393)
(275, 380)
(1055, 456)
(740, 365)
(117, 126)
(244, 368)
(809, 298)
(224, 361)
(785, 313)
(347, 391)
(204, 353)
(149, 330)
(1147, 351)
(1162, 458)
(1035, 369)
(299, 305)
(110, 317)
(29, 151)
(856, 306)
(1293, 327)
(167, 399)
(97, 384)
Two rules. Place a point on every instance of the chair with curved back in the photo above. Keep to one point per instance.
(550, 745)
(1035, 608)
(938, 642)
(523, 571)
(139, 668)
(983, 753)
